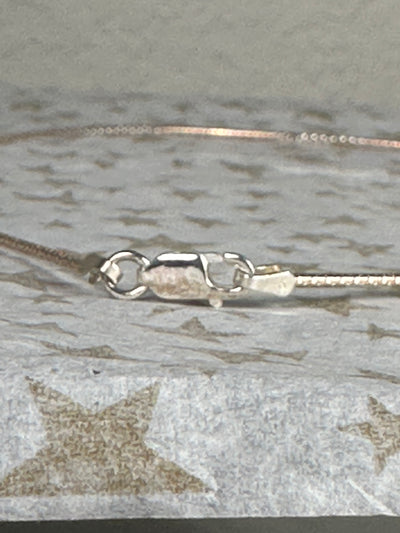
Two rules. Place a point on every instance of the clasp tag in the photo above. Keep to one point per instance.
(269, 279)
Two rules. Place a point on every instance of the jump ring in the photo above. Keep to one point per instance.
(125, 255)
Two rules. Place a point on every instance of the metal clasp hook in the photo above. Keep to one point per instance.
(180, 275)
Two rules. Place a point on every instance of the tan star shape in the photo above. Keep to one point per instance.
(91, 452)
(383, 431)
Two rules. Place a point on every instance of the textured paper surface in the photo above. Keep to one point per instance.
(305, 49)
(266, 407)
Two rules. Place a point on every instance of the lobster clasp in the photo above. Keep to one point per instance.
(186, 276)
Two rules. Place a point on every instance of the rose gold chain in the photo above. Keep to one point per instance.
(75, 262)
(202, 131)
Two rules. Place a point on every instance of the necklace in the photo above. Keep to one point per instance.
(187, 275)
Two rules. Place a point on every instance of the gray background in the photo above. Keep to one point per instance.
(312, 50)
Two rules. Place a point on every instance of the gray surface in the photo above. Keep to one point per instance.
(252, 397)
(306, 49)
